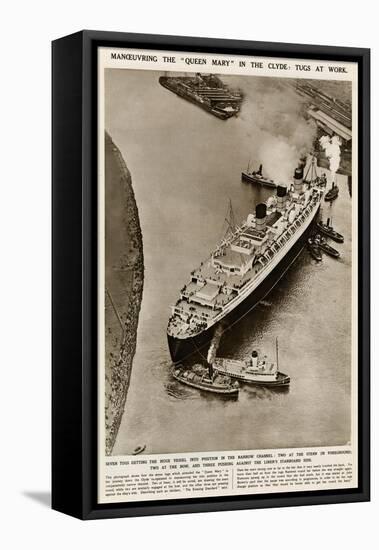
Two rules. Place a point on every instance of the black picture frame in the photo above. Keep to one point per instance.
(74, 273)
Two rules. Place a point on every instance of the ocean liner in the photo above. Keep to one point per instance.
(245, 266)
(206, 91)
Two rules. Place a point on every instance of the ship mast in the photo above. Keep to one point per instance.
(230, 220)
(277, 354)
(313, 171)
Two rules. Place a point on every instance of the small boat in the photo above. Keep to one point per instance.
(138, 450)
(206, 379)
(254, 370)
(327, 248)
(332, 194)
(328, 230)
(314, 249)
(257, 177)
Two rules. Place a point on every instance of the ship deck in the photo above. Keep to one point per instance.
(232, 280)
(214, 284)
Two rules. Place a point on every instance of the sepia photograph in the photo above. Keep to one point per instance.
(225, 279)
(228, 262)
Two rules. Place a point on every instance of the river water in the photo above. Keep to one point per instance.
(185, 165)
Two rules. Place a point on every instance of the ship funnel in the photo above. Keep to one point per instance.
(349, 184)
(298, 180)
(210, 371)
(254, 359)
(260, 215)
(260, 169)
(281, 196)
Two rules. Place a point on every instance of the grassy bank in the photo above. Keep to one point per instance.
(123, 286)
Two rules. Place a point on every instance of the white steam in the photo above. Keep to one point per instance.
(214, 345)
(278, 132)
(332, 148)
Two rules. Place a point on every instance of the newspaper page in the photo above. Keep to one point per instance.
(227, 297)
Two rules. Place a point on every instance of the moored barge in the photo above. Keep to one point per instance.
(207, 92)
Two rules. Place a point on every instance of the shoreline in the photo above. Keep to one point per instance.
(124, 278)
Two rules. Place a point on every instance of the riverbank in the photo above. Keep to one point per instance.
(124, 276)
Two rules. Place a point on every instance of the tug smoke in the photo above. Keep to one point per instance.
(332, 148)
(215, 342)
(279, 133)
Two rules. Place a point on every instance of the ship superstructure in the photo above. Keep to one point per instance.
(206, 91)
(247, 263)
(253, 370)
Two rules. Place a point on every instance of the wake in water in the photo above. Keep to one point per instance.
(178, 393)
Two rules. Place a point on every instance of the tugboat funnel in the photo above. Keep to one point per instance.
(210, 371)
(254, 359)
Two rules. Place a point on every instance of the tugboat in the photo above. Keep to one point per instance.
(332, 194)
(257, 177)
(326, 247)
(206, 379)
(314, 249)
(328, 230)
(254, 370)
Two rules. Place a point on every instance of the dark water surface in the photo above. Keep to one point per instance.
(185, 165)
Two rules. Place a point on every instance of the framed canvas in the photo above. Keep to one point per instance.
(210, 274)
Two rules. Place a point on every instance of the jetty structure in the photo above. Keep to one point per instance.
(331, 114)
(206, 91)
(332, 117)
(244, 266)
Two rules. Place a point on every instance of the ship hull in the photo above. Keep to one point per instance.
(197, 346)
(205, 106)
(281, 381)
